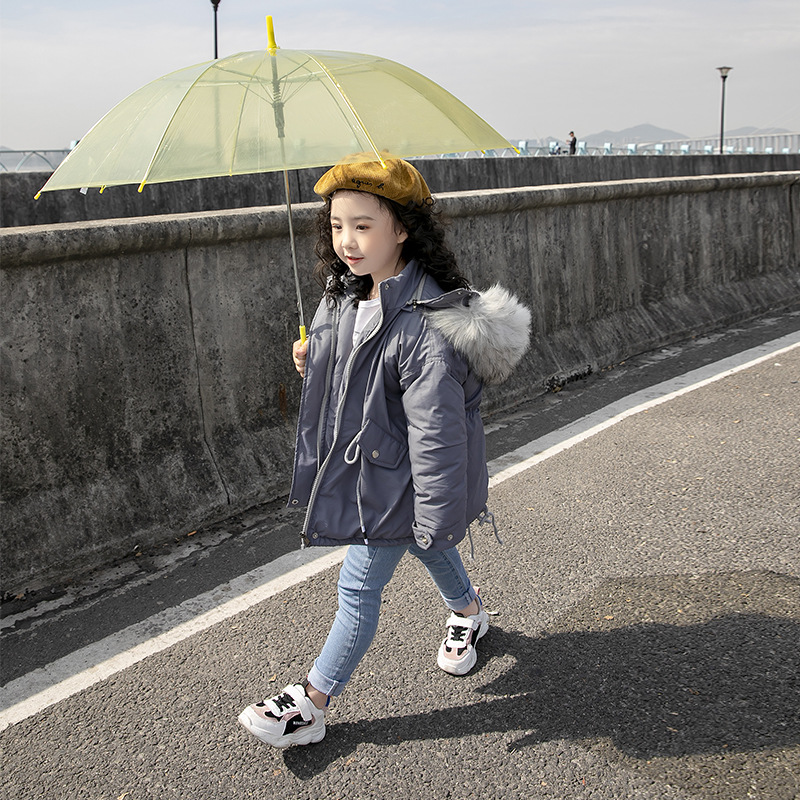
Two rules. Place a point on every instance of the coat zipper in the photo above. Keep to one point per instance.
(343, 395)
(329, 371)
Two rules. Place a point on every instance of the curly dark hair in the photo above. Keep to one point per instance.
(425, 243)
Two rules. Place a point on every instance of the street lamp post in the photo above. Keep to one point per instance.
(723, 71)
(215, 3)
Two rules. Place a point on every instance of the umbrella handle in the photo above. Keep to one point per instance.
(302, 334)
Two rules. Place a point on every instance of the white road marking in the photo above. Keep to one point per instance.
(43, 687)
(510, 464)
(46, 686)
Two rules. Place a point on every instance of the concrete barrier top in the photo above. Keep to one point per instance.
(20, 246)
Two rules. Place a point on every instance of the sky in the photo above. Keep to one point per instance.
(531, 69)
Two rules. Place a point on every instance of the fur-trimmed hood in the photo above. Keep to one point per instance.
(490, 329)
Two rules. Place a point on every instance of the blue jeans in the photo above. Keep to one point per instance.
(364, 573)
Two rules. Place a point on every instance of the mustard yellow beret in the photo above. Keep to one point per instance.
(398, 180)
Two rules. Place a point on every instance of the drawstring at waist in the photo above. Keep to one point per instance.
(482, 518)
(351, 456)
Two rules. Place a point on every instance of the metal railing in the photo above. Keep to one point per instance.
(48, 160)
(31, 160)
(754, 143)
(765, 143)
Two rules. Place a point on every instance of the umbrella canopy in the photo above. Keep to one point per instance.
(271, 110)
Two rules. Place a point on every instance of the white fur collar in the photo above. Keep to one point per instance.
(491, 331)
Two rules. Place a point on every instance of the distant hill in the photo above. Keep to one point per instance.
(641, 134)
(638, 134)
(749, 130)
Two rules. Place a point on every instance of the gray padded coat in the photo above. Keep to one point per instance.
(390, 444)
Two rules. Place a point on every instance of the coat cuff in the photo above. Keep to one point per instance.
(427, 538)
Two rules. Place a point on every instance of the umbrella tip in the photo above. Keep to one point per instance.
(271, 44)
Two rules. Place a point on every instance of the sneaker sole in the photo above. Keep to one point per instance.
(310, 735)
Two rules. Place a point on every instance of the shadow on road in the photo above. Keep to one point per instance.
(645, 691)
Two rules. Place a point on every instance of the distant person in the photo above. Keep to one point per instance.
(573, 143)
(390, 452)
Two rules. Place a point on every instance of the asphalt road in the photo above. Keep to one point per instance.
(645, 639)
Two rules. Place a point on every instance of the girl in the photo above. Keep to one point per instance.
(390, 451)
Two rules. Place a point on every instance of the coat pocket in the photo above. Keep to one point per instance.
(380, 447)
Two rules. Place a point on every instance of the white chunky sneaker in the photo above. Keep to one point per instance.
(458, 655)
(286, 719)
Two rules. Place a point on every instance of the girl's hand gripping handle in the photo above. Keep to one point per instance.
(299, 349)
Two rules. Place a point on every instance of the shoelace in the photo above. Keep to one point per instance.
(284, 702)
(458, 633)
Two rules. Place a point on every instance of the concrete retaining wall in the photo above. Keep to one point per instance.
(17, 206)
(147, 387)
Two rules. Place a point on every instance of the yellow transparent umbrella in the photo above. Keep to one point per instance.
(271, 110)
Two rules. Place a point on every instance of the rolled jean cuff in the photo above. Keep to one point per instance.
(324, 684)
(461, 603)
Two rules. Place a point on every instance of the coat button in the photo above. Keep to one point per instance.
(315, 535)
(294, 501)
(376, 453)
(449, 537)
